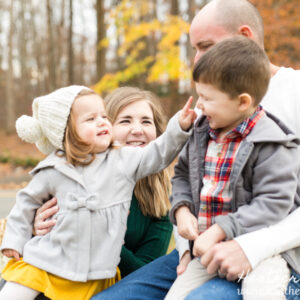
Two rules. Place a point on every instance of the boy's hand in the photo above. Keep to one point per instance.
(187, 115)
(187, 223)
(11, 253)
(207, 239)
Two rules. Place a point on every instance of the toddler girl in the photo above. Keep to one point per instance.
(93, 184)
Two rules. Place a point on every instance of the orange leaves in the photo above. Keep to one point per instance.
(282, 30)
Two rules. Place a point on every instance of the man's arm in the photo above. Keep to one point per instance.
(273, 240)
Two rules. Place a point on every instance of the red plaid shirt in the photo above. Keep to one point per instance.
(215, 195)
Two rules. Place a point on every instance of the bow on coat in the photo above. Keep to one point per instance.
(75, 202)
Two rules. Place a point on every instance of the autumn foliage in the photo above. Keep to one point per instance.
(150, 48)
(282, 30)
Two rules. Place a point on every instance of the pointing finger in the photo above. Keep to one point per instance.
(188, 105)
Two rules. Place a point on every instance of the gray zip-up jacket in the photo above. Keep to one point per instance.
(264, 178)
(85, 243)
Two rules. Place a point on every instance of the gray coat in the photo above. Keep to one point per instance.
(86, 241)
(264, 178)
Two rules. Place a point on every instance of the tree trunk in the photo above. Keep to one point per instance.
(101, 33)
(174, 10)
(51, 56)
(10, 104)
(23, 38)
(81, 60)
(191, 14)
(37, 53)
(61, 73)
(173, 85)
(70, 45)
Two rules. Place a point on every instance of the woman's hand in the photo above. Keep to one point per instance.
(187, 115)
(11, 253)
(41, 226)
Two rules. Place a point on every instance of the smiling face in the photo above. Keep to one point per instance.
(221, 111)
(134, 125)
(92, 125)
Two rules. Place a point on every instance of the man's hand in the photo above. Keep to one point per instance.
(227, 258)
(207, 239)
(185, 259)
(187, 224)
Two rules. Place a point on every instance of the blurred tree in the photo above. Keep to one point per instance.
(101, 33)
(10, 100)
(132, 26)
(70, 45)
(282, 30)
(139, 43)
(22, 45)
(51, 54)
(61, 45)
(173, 84)
(36, 54)
(81, 59)
(174, 10)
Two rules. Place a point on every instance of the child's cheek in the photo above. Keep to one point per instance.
(90, 133)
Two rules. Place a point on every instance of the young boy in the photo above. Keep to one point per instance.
(239, 170)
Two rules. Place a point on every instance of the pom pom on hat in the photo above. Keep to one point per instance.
(29, 129)
(47, 126)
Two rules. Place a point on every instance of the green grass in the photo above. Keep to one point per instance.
(19, 162)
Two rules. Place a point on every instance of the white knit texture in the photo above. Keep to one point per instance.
(29, 129)
(46, 128)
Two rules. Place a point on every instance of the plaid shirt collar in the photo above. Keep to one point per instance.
(243, 129)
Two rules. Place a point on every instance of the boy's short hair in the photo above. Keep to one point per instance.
(235, 65)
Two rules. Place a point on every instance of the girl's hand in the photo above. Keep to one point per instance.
(41, 226)
(187, 223)
(11, 253)
(187, 115)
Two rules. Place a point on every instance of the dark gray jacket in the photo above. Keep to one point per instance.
(264, 178)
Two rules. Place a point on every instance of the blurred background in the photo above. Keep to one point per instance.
(105, 44)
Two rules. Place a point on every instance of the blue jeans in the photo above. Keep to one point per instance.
(222, 289)
(152, 281)
(217, 289)
(293, 289)
(155, 279)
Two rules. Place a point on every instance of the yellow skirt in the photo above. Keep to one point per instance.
(52, 286)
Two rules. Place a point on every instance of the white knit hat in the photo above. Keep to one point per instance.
(46, 128)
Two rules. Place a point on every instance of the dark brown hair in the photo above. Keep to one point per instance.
(235, 65)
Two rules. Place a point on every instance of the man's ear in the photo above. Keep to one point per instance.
(246, 101)
(246, 31)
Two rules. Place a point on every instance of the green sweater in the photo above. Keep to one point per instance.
(146, 239)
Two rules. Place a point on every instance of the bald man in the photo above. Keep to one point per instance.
(216, 21)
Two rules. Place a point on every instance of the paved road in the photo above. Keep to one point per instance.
(7, 200)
